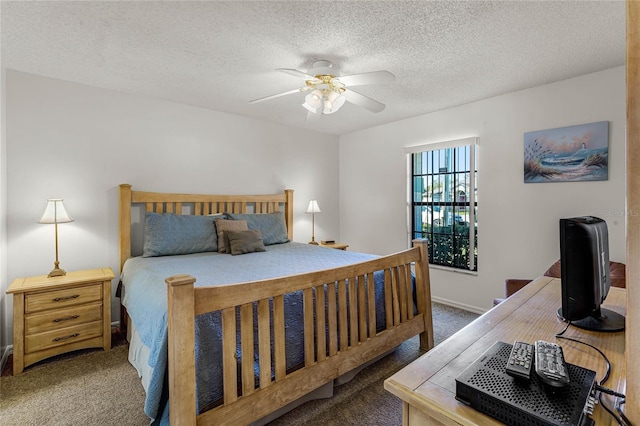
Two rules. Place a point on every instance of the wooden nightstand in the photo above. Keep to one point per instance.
(338, 246)
(55, 315)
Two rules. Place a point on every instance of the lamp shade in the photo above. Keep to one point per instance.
(333, 101)
(313, 207)
(55, 212)
(338, 102)
(313, 101)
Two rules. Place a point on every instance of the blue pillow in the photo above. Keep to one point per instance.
(272, 226)
(169, 234)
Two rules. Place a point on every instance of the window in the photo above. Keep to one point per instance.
(444, 201)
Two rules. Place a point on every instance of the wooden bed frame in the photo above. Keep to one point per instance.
(349, 318)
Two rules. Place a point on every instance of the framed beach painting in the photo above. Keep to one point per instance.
(567, 154)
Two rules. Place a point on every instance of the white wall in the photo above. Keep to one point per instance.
(517, 222)
(78, 143)
(5, 314)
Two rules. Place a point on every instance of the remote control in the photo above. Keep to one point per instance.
(550, 365)
(520, 360)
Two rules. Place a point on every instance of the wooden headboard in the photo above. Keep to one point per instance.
(197, 204)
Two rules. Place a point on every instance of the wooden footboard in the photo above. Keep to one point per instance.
(347, 312)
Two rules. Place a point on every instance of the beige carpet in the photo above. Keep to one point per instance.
(90, 388)
(102, 388)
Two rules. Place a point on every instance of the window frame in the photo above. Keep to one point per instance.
(470, 197)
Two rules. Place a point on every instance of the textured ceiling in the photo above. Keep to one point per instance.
(219, 55)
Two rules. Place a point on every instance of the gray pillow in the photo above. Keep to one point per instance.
(272, 226)
(224, 225)
(242, 242)
(167, 234)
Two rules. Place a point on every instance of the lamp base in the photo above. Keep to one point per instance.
(315, 243)
(56, 271)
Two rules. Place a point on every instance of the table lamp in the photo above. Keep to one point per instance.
(313, 209)
(55, 213)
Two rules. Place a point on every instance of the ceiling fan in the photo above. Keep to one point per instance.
(326, 92)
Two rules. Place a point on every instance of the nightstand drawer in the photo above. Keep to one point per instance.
(61, 298)
(64, 336)
(59, 318)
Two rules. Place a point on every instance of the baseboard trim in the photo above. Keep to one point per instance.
(459, 305)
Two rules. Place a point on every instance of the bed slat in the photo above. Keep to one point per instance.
(353, 313)
(229, 363)
(264, 342)
(396, 297)
(362, 308)
(321, 336)
(371, 304)
(246, 338)
(309, 338)
(332, 318)
(409, 290)
(279, 337)
(342, 312)
(402, 292)
(388, 299)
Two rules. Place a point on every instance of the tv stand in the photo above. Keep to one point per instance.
(608, 321)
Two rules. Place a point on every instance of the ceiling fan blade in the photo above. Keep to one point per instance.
(266, 98)
(374, 77)
(297, 73)
(363, 101)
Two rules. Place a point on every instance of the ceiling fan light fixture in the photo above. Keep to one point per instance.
(313, 101)
(338, 100)
(333, 101)
(327, 107)
(326, 91)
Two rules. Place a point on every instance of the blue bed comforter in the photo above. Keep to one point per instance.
(145, 297)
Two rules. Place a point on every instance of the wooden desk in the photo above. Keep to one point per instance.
(427, 386)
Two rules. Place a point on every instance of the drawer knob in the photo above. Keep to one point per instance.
(66, 318)
(60, 299)
(71, 336)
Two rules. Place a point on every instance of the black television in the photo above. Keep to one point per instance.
(584, 273)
